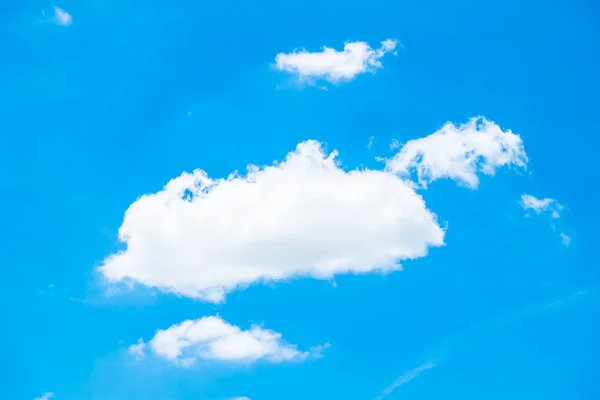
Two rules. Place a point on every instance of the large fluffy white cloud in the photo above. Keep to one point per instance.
(212, 339)
(333, 65)
(303, 217)
(460, 153)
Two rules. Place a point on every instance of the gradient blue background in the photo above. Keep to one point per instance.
(95, 114)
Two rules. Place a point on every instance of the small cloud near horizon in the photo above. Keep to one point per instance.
(61, 17)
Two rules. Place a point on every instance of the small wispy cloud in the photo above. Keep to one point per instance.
(45, 396)
(407, 377)
(138, 349)
(565, 299)
(545, 205)
(61, 17)
(371, 140)
(529, 202)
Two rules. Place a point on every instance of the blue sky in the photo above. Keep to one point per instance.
(284, 282)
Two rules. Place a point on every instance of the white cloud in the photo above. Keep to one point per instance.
(459, 153)
(302, 217)
(565, 239)
(474, 336)
(370, 143)
(211, 338)
(61, 17)
(407, 377)
(529, 202)
(333, 65)
(240, 398)
(45, 396)
(137, 349)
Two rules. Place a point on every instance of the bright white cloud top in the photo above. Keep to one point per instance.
(460, 153)
(332, 65)
(61, 17)
(529, 202)
(303, 217)
(212, 339)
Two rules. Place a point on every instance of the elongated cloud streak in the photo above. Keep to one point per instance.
(407, 377)
(471, 338)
